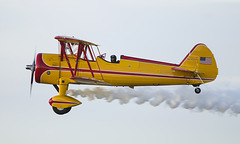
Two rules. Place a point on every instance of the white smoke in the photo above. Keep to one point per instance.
(213, 100)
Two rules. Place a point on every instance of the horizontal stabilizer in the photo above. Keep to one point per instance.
(185, 70)
(180, 69)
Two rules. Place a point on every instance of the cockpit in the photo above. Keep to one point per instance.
(114, 59)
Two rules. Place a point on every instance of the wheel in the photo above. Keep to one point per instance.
(61, 111)
(197, 90)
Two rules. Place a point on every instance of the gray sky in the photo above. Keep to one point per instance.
(159, 30)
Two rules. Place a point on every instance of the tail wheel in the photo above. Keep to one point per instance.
(61, 111)
(197, 90)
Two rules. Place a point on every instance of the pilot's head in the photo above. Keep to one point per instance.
(113, 59)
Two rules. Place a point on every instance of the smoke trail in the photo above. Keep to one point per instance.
(213, 100)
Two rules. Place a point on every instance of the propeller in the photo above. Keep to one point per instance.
(32, 68)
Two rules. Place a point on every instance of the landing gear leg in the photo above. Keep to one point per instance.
(62, 92)
(63, 86)
(197, 90)
(62, 103)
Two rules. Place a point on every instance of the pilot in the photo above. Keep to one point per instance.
(113, 59)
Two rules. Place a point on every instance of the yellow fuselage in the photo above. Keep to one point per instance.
(128, 72)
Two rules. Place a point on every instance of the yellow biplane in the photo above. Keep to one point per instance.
(77, 63)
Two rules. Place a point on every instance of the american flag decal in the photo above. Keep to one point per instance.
(205, 60)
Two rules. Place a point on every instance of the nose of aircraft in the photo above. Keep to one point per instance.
(29, 67)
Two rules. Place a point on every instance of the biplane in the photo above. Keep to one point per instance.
(80, 62)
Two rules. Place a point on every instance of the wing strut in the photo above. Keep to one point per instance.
(84, 52)
(78, 56)
(200, 78)
(70, 48)
(97, 61)
(64, 52)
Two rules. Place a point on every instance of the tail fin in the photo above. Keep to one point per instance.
(200, 60)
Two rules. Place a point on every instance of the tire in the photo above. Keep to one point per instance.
(197, 90)
(61, 111)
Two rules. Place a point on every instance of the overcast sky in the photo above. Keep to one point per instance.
(155, 29)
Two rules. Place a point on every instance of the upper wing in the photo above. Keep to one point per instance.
(73, 40)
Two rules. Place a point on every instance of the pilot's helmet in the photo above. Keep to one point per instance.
(113, 58)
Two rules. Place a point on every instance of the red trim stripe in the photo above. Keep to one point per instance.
(147, 61)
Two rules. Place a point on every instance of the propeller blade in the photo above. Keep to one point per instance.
(32, 68)
(32, 76)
